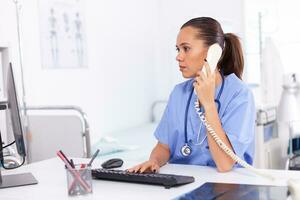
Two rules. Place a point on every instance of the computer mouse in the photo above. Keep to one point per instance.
(112, 163)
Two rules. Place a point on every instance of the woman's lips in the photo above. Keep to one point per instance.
(182, 68)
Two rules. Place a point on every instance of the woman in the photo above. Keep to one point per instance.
(226, 101)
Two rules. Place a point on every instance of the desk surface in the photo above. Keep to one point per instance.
(52, 182)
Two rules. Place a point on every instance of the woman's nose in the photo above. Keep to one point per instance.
(179, 57)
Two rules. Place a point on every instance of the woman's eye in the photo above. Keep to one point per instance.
(186, 49)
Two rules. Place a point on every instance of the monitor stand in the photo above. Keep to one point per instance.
(14, 180)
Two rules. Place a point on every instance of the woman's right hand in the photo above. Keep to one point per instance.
(148, 166)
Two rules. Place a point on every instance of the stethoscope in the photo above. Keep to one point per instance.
(186, 150)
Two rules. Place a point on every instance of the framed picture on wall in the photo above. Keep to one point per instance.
(62, 34)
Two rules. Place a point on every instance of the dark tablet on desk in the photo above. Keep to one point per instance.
(226, 191)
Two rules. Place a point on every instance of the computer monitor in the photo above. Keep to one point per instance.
(12, 107)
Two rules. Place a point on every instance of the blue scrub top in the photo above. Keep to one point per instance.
(237, 115)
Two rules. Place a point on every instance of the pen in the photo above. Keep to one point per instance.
(72, 163)
(65, 157)
(75, 173)
(93, 157)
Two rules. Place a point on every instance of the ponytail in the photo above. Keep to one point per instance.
(232, 60)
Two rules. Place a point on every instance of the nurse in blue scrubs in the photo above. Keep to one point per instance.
(226, 101)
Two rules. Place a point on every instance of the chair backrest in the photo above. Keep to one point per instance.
(52, 133)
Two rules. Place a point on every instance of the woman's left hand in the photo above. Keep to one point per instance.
(205, 86)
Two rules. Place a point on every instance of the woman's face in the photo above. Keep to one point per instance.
(191, 52)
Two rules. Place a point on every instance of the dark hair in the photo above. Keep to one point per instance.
(210, 31)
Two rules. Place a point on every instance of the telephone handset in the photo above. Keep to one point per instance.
(213, 55)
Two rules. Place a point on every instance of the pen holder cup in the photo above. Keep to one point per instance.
(79, 180)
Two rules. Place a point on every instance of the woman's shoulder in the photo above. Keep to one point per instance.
(180, 90)
(238, 88)
(238, 98)
(184, 86)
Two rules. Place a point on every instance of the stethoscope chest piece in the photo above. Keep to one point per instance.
(186, 150)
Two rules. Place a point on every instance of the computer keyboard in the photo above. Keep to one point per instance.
(167, 180)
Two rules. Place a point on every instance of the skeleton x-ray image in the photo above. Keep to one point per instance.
(62, 31)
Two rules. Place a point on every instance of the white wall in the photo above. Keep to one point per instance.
(131, 56)
(280, 43)
(115, 91)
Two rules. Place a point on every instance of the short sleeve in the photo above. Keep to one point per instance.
(238, 123)
(162, 130)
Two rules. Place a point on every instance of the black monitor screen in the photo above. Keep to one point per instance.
(13, 109)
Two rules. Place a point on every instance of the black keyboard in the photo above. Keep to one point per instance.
(167, 180)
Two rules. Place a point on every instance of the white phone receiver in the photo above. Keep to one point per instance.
(213, 55)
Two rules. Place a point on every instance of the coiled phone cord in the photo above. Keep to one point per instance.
(225, 148)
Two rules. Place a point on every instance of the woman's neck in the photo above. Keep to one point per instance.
(218, 78)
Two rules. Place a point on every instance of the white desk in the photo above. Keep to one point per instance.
(52, 182)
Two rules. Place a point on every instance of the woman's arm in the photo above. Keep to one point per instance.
(158, 157)
(160, 154)
(205, 86)
(223, 162)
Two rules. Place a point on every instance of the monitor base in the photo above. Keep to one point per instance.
(16, 180)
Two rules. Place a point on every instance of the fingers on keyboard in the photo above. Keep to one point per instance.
(132, 170)
(138, 168)
(144, 167)
(154, 168)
